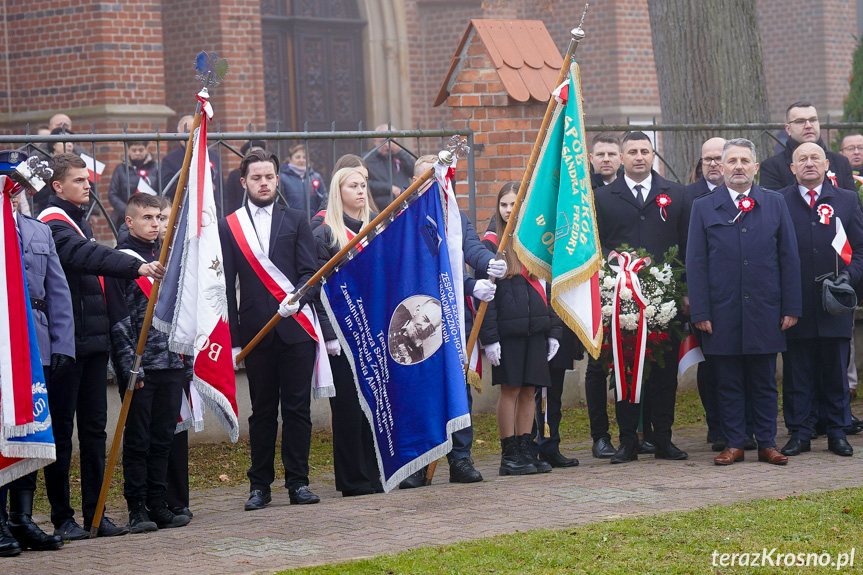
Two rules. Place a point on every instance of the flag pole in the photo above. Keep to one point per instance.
(577, 36)
(209, 78)
(327, 267)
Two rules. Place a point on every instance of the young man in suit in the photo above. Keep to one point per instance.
(743, 276)
(815, 365)
(628, 212)
(281, 367)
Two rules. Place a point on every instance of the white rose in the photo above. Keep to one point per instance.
(609, 282)
(601, 273)
(649, 311)
(654, 270)
(625, 293)
(607, 310)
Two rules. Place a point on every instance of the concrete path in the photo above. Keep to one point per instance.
(222, 538)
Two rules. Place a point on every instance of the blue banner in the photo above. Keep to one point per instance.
(395, 309)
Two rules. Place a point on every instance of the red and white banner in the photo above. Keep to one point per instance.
(690, 354)
(445, 176)
(193, 305)
(95, 167)
(840, 242)
(627, 269)
(144, 188)
(278, 284)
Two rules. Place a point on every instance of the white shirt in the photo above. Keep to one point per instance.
(645, 183)
(735, 194)
(804, 192)
(710, 186)
(263, 218)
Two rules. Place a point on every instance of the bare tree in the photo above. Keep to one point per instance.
(710, 70)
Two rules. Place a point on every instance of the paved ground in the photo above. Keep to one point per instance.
(223, 538)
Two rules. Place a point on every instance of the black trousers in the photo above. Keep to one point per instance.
(658, 397)
(80, 394)
(815, 379)
(148, 435)
(354, 459)
(596, 395)
(462, 440)
(707, 391)
(177, 477)
(747, 388)
(280, 375)
(554, 401)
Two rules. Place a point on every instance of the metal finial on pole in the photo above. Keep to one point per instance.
(578, 32)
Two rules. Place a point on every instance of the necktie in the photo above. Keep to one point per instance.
(638, 195)
(812, 194)
(740, 199)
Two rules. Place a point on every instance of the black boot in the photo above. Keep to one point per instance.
(524, 442)
(511, 462)
(139, 521)
(8, 544)
(21, 525)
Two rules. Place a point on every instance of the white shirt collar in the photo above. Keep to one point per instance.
(268, 209)
(804, 191)
(646, 183)
(735, 194)
(710, 186)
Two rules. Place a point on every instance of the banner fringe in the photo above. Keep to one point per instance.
(220, 406)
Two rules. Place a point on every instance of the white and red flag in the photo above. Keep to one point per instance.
(690, 354)
(840, 242)
(26, 438)
(94, 166)
(193, 306)
(144, 187)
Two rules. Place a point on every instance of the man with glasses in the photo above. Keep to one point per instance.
(801, 123)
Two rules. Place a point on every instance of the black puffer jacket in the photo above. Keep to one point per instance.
(127, 306)
(124, 183)
(83, 261)
(326, 250)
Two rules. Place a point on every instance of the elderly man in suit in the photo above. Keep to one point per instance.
(744, 288)
(55, 334)
(280, 368)
(628, 211)
(815, 365)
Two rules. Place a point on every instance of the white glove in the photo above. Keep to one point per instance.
(484, 290)
(287, 309)
(333, 347)
(235, 351)
(492, 352)
(553, 346)
(496, 268)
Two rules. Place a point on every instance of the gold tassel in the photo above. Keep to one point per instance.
(546, 429)
(475, 380)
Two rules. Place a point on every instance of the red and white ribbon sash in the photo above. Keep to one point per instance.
(627, 269)
(54, 213)
(278, 284)
(831, 175)
(144, 282)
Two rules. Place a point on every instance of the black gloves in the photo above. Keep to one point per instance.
(60, 364)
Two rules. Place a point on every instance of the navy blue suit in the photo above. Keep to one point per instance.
(815, 375)
(744, 276)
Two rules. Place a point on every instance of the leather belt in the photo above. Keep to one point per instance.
(39, 304)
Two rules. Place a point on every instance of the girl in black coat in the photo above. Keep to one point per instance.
(520, 334)
(354, 459)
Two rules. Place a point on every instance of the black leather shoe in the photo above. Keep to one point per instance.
(603, 449)
(625, 454)
(854, 428)
(257, 500)
(645, 447)
(414, 480)
(796, 447)
(670, 451)
(29, 536)
(557, 459)
(749, 443)
(69, 530)
(463, 471)
(107, 528)
(840, 446)
(8, 545)
(719, 444)
(359, 491)
(164, 518)
(182, 511)
(302, 495)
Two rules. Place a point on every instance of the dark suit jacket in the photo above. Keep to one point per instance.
(621, 221)
(55, 331)
(776, 170)
(293, 251)
(817, 256)
(743, 276)
(697, 189)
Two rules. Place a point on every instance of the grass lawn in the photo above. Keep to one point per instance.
(675, 543)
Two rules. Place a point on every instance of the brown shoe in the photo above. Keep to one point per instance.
(772, 455)
(729, 456)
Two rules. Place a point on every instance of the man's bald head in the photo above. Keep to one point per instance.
(809, 164)
(711, 161)
(387, 148)
(58, 121)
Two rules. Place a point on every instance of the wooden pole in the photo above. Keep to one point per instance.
(577, 36)
(145, 330)
(327, 267)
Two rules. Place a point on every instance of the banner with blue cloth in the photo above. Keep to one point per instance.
(395, 310)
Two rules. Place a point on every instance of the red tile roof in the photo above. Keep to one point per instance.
(524, 56)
